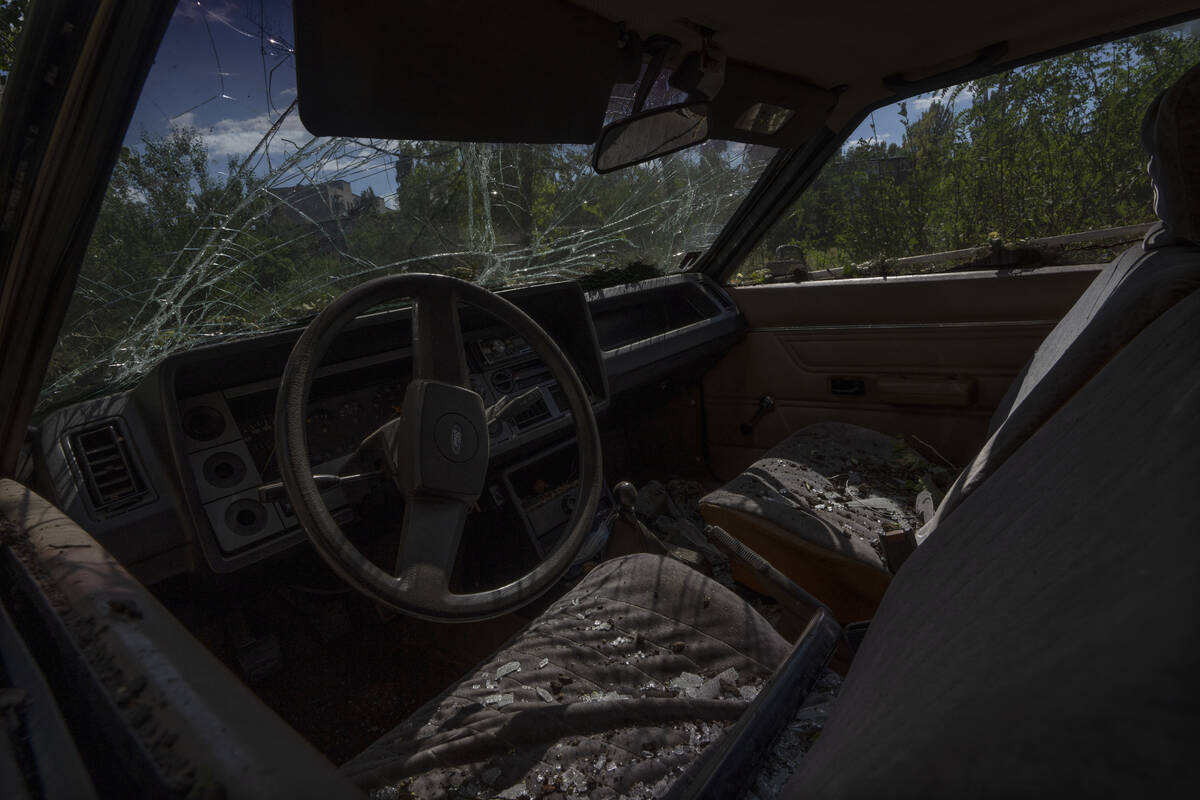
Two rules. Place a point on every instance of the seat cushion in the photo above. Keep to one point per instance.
(816, 504)
(836, 485)
(614, 690)
(797, 505)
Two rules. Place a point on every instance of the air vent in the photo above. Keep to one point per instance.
(502, 381)
(536, 413)
(109, 473)
(530, 376)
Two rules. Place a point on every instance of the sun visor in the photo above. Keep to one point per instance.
(757, 106)
(455, 70)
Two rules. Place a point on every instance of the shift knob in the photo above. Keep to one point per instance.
(626, 495)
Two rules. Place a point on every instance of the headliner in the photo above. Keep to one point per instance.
(856, 46)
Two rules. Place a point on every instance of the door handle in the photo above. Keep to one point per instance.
(766, 404)
(847, 387)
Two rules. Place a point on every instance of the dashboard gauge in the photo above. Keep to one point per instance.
(493, 349)
(203, 423)
(502, 381)
(499, 349)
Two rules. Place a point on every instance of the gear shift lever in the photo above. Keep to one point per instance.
(629, 535)
(625, 493)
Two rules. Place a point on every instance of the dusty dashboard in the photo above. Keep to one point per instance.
(226, 395)
(166, 475)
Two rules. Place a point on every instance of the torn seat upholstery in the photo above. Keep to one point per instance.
(778, 505)
(816, 505)
(613, 691)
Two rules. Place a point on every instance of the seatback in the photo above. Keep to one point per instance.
(1129, 294)
(153, 712)
(1044, 641)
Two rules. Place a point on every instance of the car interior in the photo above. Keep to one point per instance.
(573, 498)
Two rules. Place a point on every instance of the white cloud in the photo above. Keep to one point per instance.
(878, 139)
(238, 137)
(964, 97)
(289, 92)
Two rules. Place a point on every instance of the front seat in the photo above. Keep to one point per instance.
(613, 691)
(796, 505)
(1042, 644)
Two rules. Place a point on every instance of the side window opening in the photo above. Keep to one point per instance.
(1037, 166)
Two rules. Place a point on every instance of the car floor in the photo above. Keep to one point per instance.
(335, 666)
(342, 670)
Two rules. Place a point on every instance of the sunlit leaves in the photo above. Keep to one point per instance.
(1043, 150)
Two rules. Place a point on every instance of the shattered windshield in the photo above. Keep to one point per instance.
(225, 217)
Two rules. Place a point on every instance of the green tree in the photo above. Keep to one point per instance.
(1041, 150)
(12, 19)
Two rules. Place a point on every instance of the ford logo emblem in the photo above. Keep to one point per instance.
(456, 437)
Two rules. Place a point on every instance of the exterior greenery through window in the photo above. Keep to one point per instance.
(228, 218)
(990, 167)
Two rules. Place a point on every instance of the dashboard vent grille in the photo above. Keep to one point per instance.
(538, 412)
(106, 464)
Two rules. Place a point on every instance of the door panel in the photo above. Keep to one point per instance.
(928, 355)
(156, 714)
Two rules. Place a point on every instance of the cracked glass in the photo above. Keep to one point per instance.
(225, 218)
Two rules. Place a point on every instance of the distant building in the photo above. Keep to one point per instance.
(322, 203)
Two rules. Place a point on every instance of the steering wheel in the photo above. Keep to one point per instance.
(436, 451)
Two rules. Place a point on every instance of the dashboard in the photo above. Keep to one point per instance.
(168, 475)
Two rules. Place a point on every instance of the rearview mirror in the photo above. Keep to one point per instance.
(650, 134)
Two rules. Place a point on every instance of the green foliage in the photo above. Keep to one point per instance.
(1043, 150)
(12, 19)
(752, 278)
(183, 254)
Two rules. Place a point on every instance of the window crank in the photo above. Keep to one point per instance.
(766, 404)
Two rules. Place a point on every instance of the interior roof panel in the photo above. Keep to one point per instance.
(824, 45)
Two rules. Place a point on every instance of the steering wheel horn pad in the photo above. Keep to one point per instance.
(437, 451)
(444, 447)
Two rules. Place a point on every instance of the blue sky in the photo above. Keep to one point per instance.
(226, 68)
(219, 71)
(887, 126)
(887, 120)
